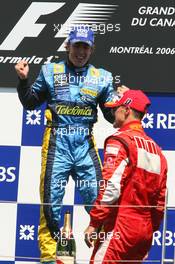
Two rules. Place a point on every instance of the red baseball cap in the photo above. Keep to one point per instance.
(135, 99)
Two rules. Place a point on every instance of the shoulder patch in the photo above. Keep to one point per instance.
(94, 72)
(112, 149)
(58, 68)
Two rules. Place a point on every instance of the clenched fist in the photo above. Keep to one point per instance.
(22, 69)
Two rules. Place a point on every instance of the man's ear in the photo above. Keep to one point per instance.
(67, 46)
(127, 110)
(93, 49)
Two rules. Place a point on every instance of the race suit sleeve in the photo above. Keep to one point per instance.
(107, 96)
(116, 173)
(158, 211)
(32, 96)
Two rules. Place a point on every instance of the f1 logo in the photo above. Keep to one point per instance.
(26, 26)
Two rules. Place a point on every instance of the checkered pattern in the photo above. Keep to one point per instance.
(20, 159)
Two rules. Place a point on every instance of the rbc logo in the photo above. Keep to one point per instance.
(159, 122)
(7, 174)
(33, 124)
(27, 232)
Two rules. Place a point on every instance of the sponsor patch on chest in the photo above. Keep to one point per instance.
(89, 92)
(109, 162)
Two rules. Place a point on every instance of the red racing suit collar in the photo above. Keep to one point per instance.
(133, 125)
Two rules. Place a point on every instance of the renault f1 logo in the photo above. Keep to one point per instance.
(27, 26)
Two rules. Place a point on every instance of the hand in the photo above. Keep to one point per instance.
(122, 89)
(90, 230)
(146, 256)
(22, 69)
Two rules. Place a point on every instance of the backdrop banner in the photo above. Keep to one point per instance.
(134, 39)
(20, 152)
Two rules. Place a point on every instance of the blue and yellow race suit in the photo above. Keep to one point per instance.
(72, 95)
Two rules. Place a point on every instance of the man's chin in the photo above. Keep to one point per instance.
(115, 125)
(79, 64)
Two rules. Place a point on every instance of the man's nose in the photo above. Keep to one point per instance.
(81, 50)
